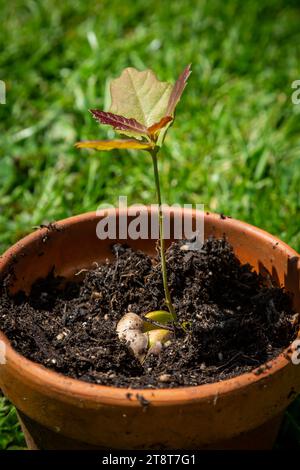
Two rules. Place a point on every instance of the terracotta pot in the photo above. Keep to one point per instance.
(59, 412)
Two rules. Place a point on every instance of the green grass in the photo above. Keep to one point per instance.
(11, 437)
(235, 145)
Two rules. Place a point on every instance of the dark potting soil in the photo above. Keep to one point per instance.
(236, 319)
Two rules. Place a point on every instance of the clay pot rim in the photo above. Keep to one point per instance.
(68, 389)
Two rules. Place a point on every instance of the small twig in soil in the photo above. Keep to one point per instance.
(81, 271)
(229, 361)
(159, 325)
(116, 265)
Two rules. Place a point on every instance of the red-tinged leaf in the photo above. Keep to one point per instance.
(119, 122)
(155, 128)
(178, 90)
(113, 144)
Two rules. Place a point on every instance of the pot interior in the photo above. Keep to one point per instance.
(72, 245)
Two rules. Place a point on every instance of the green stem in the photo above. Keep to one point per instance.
(161, 237)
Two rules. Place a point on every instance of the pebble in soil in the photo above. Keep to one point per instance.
(236, 320)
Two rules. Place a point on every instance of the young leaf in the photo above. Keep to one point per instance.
(178, 90)
(155, 128)
(121, 123)
(140, 95)
(113, 144)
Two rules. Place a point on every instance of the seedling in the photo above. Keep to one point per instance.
(143, 109)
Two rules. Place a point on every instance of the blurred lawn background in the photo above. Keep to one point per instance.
(235, 145)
